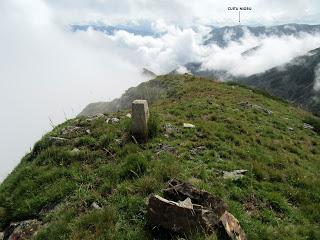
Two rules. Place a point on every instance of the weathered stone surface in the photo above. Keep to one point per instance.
(172, 215)
(234, 175)
(179, 191)
(140, 116)
(231, 228)
(1, 235)
(22, 230)
(165, 148)
(307, 126)
(185, 209)
(257, 107)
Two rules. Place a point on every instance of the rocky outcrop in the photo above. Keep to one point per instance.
(22, 230)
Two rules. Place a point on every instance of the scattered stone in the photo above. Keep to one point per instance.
(96, 206)
(99, 115)
(253, 106)
(185, 209)
(70, 129)
(88, 131)
(234, 175)
(58, 139)
(291, 129)
(115, 120)
(22, 230)
(140, 116)
(308, 126)
(75, 151)
(169, 129)
(188, 125)
(230, 228)
(197, 150)
(129, 115)
(164, 148)
(119, 141)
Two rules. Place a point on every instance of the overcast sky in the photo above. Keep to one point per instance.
(48, 72)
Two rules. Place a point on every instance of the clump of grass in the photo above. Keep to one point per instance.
(153, 125)
(134, 165)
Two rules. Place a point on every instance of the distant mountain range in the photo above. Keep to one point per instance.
(223, 35)
(293, 81)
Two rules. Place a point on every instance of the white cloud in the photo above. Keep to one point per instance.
(274, 51)
(186, 13)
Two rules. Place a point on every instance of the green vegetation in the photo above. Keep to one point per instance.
(277, 199)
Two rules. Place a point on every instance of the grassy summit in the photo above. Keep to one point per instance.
(87, 160)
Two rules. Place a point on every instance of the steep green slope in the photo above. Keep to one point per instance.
(277, 199)
(151, 91)
(293, 81)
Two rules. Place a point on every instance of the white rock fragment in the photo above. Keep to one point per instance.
(188, 125)
(307, 126)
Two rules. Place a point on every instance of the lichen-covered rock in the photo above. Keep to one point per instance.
(22, 230)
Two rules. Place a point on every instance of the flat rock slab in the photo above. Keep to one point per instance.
(234, 175)
(179, 191)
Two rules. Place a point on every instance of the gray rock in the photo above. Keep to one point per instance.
(1, 235)
(70, 129)
(58, 139)
(234, 175)
(307, 126)
(185, 209)
(129, 115)
(291, 129)
(169, 129)
(140, 116)
(164, 148)
(75, 151)
(257, 107)
(96, 206)
(22, 230)
(88, 131)
(115, 120)
(197, 150)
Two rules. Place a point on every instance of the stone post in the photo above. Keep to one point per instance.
(140, 116)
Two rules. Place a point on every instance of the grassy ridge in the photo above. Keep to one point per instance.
(277, 199)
